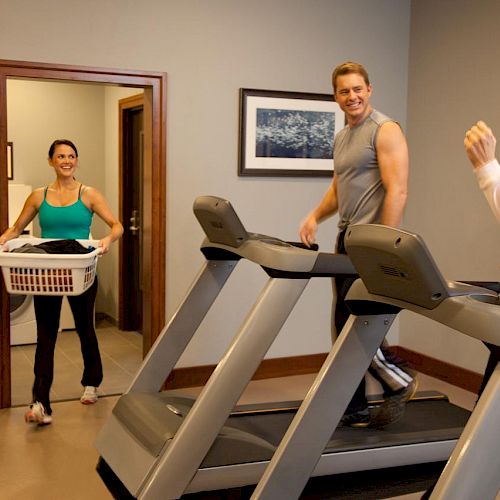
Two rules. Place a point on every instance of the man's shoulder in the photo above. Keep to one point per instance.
(380, 118)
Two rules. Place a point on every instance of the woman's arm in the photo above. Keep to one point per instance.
(488, 178)
(97, 204)
(480, 144)
(28, 213)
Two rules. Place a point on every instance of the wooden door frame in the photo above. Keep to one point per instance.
(155, 86)
(125, 105)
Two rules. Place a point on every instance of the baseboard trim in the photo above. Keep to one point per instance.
(455, 375)
(194, 376)
(311, 363)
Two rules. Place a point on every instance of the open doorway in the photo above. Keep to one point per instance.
(153, 188)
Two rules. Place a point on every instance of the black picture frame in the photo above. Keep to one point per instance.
(287, 134)
(10, 161)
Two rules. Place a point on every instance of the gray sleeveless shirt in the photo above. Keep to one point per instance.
(360, 192)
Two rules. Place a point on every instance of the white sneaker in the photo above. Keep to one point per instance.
(89, 396)
(37, 415)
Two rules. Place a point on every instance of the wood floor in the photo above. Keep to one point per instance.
(58, 461)
(121, 354)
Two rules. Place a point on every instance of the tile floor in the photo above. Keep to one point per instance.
(58, 461)
(121, 354)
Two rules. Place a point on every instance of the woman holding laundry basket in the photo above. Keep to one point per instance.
(65, 209)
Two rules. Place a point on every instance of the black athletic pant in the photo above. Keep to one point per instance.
(341, 315)
(48, 312)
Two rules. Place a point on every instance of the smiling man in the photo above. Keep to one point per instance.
(369, 186)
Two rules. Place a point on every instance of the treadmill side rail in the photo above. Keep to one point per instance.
(180, 460)
(175, 337)
(129, 460)
(473, 470)
(301, 448)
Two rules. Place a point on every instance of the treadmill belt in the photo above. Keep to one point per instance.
(424, 421)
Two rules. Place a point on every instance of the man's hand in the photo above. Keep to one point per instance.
(308, 230)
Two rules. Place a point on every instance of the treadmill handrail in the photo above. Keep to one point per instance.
(476, 315)
(282, 256)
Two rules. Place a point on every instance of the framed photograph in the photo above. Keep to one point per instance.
(287, 133)
(10, 161)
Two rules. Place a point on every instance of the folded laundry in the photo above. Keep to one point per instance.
(55, 247)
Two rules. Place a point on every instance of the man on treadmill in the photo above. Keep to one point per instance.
(369, 186)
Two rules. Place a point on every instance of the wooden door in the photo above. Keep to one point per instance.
(154, 187)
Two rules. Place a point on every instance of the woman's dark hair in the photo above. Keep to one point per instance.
(66, 142)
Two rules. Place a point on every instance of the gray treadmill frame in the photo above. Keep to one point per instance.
(175, 471)
(469, 310)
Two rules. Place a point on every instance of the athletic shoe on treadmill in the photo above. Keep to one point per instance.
(89, 396)
(356, 419)
(37, 415)
(393, 407)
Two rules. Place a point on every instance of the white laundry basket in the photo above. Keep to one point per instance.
(48, 274)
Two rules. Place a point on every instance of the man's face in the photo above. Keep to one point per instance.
(353, 96)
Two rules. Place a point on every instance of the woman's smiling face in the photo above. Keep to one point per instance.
(64, 160)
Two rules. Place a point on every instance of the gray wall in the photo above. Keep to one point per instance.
(211, 49)
(453, 73)
(39, 113)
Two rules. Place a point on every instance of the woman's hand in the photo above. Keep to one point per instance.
(480, 144)
(5, 237)
(105, 243)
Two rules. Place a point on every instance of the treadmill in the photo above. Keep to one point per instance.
(161, 445)
(397, 272)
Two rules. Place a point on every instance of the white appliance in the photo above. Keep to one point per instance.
(22, 311)
(22, 320)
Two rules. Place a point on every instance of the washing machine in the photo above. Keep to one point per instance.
(22, 320)
(22, 311)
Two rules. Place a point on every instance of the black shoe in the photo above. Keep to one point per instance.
(356, 419)
(393, 407)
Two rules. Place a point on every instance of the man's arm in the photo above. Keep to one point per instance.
(326, 208)
(392, 153)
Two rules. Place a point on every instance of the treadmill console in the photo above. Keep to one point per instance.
(219, 221)
(396, 264)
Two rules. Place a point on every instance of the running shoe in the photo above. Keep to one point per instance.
(37, 415)
(393, 407)
(356, 419)
(89, 396)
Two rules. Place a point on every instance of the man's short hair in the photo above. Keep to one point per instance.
(345, 69)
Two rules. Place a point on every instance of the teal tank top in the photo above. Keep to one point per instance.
(70, 222)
